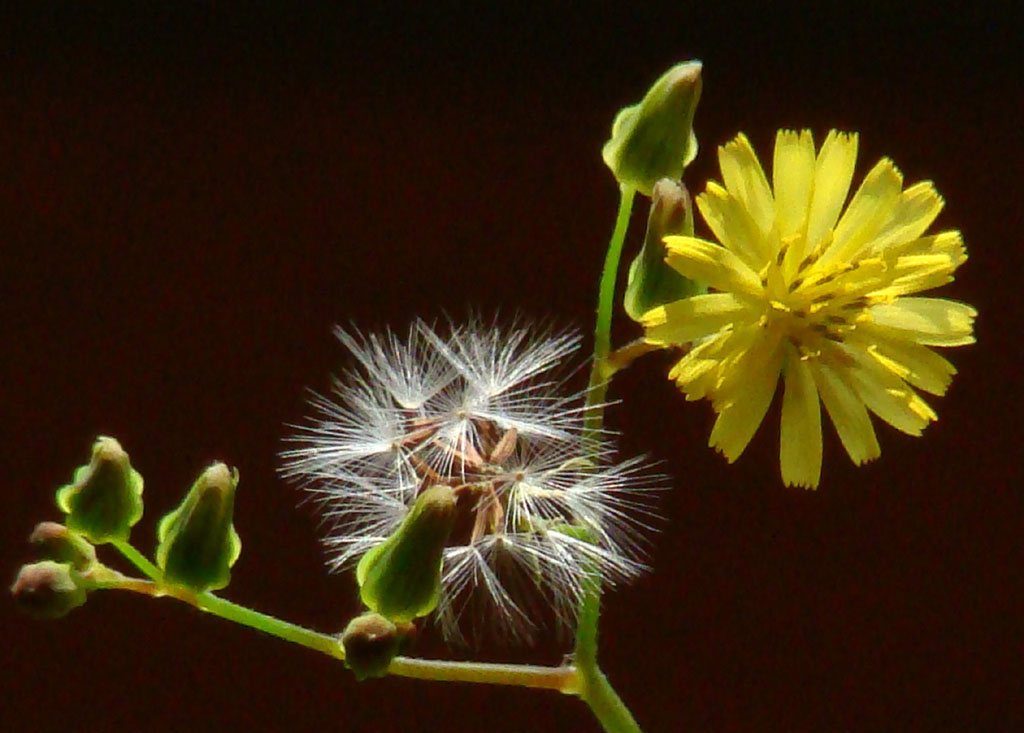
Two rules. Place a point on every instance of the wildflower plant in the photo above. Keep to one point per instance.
(465, 483)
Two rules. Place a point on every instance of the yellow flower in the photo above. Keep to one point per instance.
(821, 296)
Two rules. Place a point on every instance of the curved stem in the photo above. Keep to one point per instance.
(324, 643)
(595, 689)
(138, 560)
(606, 704)
(598, 387)
(564, 678)
(583, 679)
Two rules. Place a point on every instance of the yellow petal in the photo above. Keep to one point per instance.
(749, 350)
(911, 216)
(923, 263)
(915, 273)
(748, 399)
(746, 182)
(928, 321)
(949, 243)
(733, 226)
(697, 373)
(685, 320)
(695, 376)
(888, 396)
(793, 179)
(848, 413)
(832, 175)
(870, 209)
(918, 365)
(800, 438)
(712, 264)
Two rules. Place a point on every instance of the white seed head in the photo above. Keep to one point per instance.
(541, 506)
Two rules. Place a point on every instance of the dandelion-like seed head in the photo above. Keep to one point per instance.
(817, 294)
(541, 505)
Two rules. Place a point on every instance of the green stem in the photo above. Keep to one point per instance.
(563, 679)
(138, 560)
(595, 689)
(324, 643)
(598, 387)
(585, 679)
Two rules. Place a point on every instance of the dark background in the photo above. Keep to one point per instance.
(191, 198)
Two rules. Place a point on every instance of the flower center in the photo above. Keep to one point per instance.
(813, 303)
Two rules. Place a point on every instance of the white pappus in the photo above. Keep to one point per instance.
(541, 504)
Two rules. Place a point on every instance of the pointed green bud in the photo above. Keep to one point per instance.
(371, 642)
(198, 542)
(652, 282)
(401, 577)
(654, 139)
(105, 498)
(47, 589)
(57, 542)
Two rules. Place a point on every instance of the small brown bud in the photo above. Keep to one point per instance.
(47, 589)
(371, 642)
(56, 542)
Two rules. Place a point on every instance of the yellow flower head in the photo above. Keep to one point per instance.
(803, 289)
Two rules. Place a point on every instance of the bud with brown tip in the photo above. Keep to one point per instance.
(198, 541)
(401, 577)
(654, 139)
(651, 281)
(105, 498)
(57, 542)
(47, 589)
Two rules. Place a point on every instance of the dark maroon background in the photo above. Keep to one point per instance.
(190, 199)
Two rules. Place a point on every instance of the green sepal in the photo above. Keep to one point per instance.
(371, 642)
(48, 589)
(651, 281)
(104, 499)
(573, 530)
(57, 542)
(401, 578)
(654, 139)
(198, 543)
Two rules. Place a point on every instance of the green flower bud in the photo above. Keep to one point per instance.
(371, 642)
(198, 542)
(652, 282)
(654, 139)
(105, 498)
(401, 577)
(47, 589)
(57, 542)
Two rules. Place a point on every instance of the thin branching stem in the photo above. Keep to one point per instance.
(599, 373)
(595, 690)
(138, 560)
(563, 678)
(583, 678)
